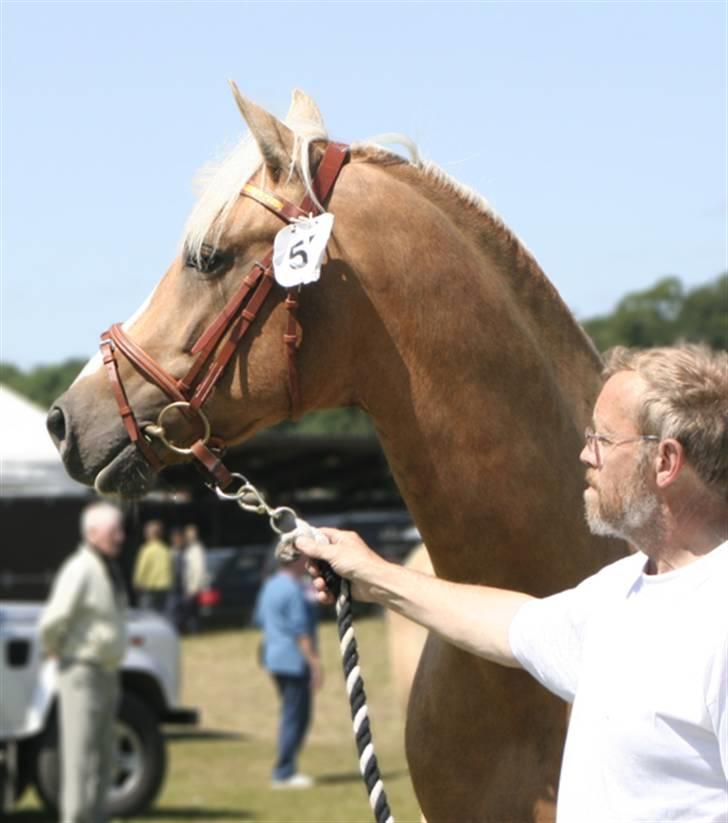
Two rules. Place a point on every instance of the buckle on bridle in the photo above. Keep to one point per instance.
(158, 429)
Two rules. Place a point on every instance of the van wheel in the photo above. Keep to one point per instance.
(140, 761)
(14, 779)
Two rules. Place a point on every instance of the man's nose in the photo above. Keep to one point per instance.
(587, 456)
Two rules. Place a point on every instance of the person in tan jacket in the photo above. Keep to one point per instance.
(83, 628)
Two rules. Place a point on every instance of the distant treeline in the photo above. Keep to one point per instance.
(42, 384)
(660, 315)
(664, 314)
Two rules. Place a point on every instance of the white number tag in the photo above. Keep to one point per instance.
(299, 249)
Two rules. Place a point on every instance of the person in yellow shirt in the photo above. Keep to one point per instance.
(153, 570)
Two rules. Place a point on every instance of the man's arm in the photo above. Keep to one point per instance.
(61, 606)
(306, 646)
(196, 573)
(474, 618)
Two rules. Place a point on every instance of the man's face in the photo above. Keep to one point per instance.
(297, 567)
(620, 499)
(107, 536)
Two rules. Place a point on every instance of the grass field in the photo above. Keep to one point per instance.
(221, 771)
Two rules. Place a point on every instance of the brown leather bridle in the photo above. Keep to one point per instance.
(213, 349)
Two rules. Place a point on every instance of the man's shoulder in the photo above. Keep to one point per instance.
(78, 564)
(281, 584)
(617, 574)
(154, 547)
(718, 558)
(280, 580)
(81, 558)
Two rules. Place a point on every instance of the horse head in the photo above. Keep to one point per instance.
(226, 237)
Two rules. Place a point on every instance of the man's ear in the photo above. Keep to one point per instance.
(275, 140)
(669, 462)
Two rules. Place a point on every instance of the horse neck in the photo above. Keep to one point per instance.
(479, 383)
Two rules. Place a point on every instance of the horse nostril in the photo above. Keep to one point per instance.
(56, 425)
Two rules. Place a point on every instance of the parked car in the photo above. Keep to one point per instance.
(234, 575)
(391, 533)
(28, 711)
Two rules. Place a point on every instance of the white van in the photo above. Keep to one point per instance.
(28, 712)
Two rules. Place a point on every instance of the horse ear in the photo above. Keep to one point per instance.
(303, 108)
(275, 139)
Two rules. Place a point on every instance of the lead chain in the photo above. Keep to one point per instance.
(251, 500)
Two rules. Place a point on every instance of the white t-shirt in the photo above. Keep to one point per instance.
(644, 659)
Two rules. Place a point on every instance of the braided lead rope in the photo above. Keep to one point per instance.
(349, 649)
(251, 500)
(368, 765)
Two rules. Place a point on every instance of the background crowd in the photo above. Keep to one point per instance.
(168, 576)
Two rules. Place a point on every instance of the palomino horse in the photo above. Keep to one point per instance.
(407, 639)
(432, 317)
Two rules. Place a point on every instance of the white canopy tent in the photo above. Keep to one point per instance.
(30, 466)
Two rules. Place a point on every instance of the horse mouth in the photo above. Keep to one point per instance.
(128, 475)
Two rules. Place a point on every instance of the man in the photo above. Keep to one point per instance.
(290, 655)
(153, 570)
(195, 575)
(641, 648)
(176, 602)
(83, 627)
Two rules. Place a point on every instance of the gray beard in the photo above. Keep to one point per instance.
(637, 517)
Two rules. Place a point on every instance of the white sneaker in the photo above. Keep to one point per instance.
(295, 781)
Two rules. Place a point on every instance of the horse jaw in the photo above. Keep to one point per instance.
(127, 475)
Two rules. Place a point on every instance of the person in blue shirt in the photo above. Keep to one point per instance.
(288, 616)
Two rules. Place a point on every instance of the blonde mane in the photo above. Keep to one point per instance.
(219, 183)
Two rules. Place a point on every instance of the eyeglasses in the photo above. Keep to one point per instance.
(598, 444)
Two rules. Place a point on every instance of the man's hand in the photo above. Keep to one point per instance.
(308, 650)
(317, 674)
(349, 556)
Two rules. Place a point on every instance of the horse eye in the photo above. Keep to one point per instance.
(208, 261)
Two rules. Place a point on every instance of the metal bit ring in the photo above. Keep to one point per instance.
(158, 430)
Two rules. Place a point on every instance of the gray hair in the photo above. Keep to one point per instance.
(686, 399)
(98, 514)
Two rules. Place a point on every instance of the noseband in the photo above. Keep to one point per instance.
(213, 349)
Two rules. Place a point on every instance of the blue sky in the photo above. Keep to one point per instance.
(596, 129)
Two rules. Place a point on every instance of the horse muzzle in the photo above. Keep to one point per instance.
(94, 447)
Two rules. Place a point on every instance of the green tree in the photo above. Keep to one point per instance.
(704, 314)
(42, 384)
(665, 313)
